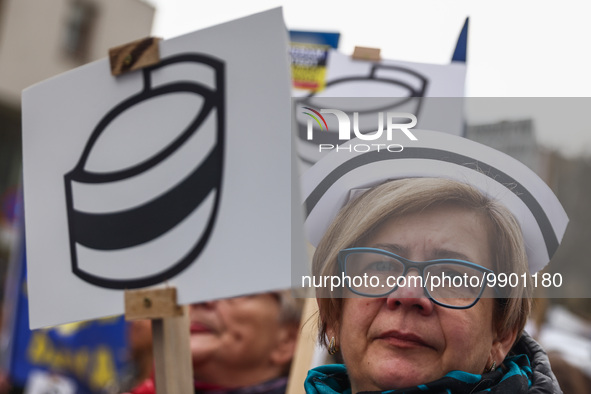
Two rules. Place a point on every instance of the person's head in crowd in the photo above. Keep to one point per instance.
(404, 338)
(244, 341)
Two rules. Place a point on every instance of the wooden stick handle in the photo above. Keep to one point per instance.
(170, 336)
(172, 354)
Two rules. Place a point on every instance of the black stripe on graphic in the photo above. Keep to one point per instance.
(133, 227)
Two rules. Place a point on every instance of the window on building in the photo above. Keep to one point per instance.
(79, 28)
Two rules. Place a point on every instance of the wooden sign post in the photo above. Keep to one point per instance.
(170, 336)
(306, 347)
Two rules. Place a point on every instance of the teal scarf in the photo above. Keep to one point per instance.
(514, 377)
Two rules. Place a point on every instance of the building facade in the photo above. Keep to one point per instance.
(40, 39)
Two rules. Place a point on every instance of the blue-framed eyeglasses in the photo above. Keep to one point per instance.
(451, 283)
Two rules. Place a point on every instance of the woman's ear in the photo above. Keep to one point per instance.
(330, 322)
(501, 346)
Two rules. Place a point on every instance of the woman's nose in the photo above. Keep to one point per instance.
(410, 294)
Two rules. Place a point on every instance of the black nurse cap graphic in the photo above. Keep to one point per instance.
(384, 88)
(142, 200)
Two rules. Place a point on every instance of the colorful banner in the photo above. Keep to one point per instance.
(90, 354)
(309, 55)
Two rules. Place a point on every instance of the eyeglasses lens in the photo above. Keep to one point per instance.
(375, 269)
(374, 274)
(453, 284)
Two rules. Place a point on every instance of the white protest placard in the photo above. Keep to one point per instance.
(431, 92)
(178, 173)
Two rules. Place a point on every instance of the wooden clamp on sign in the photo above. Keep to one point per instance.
(170, 322)
(135, 55)
(365, 53)
(170, 337)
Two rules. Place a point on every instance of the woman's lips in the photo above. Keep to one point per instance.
(403, 340)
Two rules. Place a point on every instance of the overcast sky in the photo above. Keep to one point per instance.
(516, 48)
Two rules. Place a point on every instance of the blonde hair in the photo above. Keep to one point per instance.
(361, 217)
